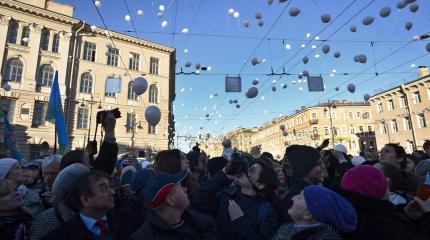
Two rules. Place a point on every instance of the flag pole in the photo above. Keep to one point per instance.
(55, 140)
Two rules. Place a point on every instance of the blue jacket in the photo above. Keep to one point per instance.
(260, 220)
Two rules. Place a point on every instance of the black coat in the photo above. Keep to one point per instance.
(196, 226)
(380, 219)
(260, 220)
(120, 226)
(106, 159)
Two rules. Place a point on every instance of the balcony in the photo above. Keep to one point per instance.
(313, 121)
(315, 136)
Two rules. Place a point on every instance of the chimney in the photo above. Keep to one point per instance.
(423, 71)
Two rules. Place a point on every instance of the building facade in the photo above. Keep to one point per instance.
(39, 37)
(401, 114)
(241, 139)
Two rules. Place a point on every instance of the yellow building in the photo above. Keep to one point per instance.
(41, 37)
(241, 139)
(401, 114)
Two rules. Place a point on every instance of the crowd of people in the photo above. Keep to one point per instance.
(312, 193)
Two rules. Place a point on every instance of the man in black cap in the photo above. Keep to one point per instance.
(169, 216)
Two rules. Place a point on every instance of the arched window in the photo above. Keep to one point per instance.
(13, 70)
(46, 75)
(86, 83)
(153, 94)
(13, 32)
(131, 94)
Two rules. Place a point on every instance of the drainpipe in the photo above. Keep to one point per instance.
(72, 74)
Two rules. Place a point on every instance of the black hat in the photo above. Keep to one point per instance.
(302, 159)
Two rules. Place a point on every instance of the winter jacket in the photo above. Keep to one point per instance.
(195, 226)
(321, 231)
(49, 220)
(106, 159)
(119, 223)
(381, 219)
(16, 226)
(260, 220)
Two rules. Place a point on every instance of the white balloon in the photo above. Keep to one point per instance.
(274, 82)
(255, 82)
(127, 18)
(187, 64)
(314, 46)
(186, 51)
(260, 23)
(161, 8)
(308, 35)
(139, 12)
(160, 15)
(25, 40)
(409, 25)
(303, 45)
(300, 89)
(236, 14)
(401, 4)
(385, 12)
(294, 11)
(414, 7)
(231, 11)
(326, 48)
(325, 18)
(351, 88)
(164, 24)
(353, 28)
(258, 15)
(140, 85)
(246, 23)
(6, 87)
(274, 88)
(428, 47)
(336, 54)
(98, 4)
(368, 20)
(153, 115)
(317, 38)
(252, 92)
(185, 30)
(288, 46)
(282, 127)
(366, 97)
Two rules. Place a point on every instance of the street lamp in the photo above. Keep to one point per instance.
(91, 103)
(330, 105)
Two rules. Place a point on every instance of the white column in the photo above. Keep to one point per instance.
(4, 26)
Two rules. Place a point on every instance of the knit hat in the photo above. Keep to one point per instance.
(341, 148)
(215, 165)
(302, 159)
(6, 164)
(423, 167)
(357, 160)
(64, 181)
(365, 180)
(329, 207)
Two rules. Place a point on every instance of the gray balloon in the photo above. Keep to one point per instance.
(274, 88)
(285, 133)
(305, 73)
(336, 54)
(414, 7)
(255, 82)
(153, 115)
(368, 20)
(235, 101)
(300, 76)
(294, 11)
(237, 105)
(258, 15)
(269, 2)
(254, 61)
(284, 86)
(305, 60)
(198, 66)
(252, 92)
(282, 127)
(353, 28)
(409, 25)
(409, 1)
(282, 1)
(356, 58)
(231, 101)
(336, 88)
(401, 4)
(385, 12)
(428, 47)
(260, 23)
(362, 58)
(366, 97)
(246, 24)
(351, 88)
(140, 85)
(326, 48)
(187, 64)
(325, 18)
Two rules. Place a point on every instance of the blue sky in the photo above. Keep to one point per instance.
(219, 40)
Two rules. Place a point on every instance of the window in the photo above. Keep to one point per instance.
(45, 39)
(56, 43)
(112, 59)
(394, 126)
(39, 113)
(131, 94)
(13, 32)
(86, 85)
(13, 70)
(335, 130)
(82, 118)
(326, 131)
(409, 146)
(333, 116)
(8, 107)
(361, 129)
(131, 122)
(26, 35)
(365, 115)
(407, 123)
(315, 130)
(383, 128)
(134, 61)
(107, 94)
(421, 120)
(314, 116)
(151, 129)
(46, 75)
(402, 101)
(369, 129)
(390, 105)
(89, 52)
(153, 94)
(416, 96)
(350, 115)
(153, 65)
(358, 115)
(372, 144)
(352, 130)
(324, 114)
(379, 108)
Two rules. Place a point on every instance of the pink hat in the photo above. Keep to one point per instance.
(365, 180)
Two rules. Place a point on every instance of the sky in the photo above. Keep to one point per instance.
(218, 39)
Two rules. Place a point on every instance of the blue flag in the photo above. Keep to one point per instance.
(9, 140)
(55, 115)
